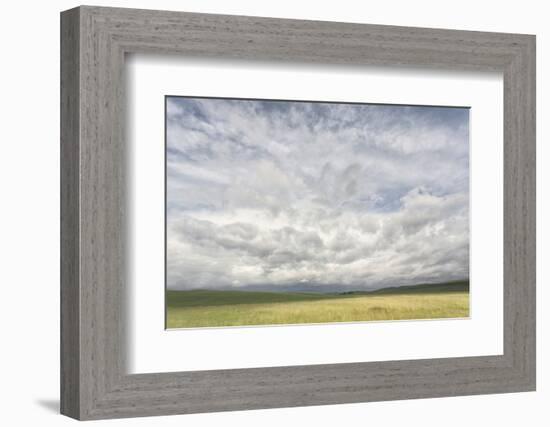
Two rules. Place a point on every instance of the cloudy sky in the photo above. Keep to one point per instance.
(277, 194)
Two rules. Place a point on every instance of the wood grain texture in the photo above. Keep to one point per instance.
(70, 221)
(94, 272)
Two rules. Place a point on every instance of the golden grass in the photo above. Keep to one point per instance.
(327, 309)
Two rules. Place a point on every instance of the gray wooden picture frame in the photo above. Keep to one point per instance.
(94, 382)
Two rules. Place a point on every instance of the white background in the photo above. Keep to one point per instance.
(29, 213)
(152, 349)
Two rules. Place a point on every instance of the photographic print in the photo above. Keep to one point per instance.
(307, 212)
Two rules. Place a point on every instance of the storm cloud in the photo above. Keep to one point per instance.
(275, 193)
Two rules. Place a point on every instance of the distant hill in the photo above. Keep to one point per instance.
(454, 286)
(457, 286)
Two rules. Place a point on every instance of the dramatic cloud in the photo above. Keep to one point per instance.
(286, 194)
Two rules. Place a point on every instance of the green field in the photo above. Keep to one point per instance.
(204, 308)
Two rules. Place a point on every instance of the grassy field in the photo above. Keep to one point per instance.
(203, 308)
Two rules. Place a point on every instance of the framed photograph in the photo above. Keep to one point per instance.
(261, 213)
(299, 212)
